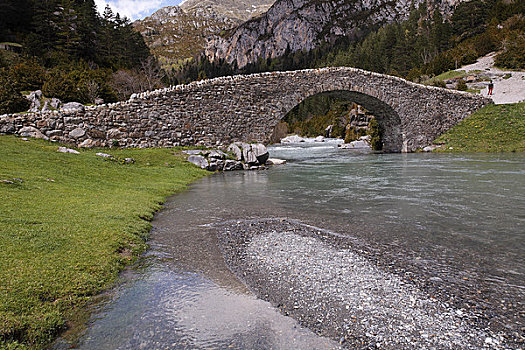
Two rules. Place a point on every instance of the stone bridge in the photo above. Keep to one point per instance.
(247, 108)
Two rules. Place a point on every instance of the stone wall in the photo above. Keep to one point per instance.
(247, 108)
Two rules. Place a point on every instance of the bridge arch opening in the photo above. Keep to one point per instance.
(387, 118)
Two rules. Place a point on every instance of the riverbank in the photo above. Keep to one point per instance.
(68, 224)
(494, 128)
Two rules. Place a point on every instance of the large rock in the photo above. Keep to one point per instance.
(359, 144)
(55, 103)
(73, 107)
(199, 161)
(293, 139)
(250, 153)
(31, 131)
(236, 151)
(67, 150)
(34, 98)
(231, 165)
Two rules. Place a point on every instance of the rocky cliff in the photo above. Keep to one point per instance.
(304, 24)
(176, 33)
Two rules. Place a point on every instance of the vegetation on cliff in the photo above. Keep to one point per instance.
(68, 224)
(495, 128)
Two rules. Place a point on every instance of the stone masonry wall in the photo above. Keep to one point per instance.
(247, 108)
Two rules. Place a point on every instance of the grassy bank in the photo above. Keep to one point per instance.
(68, 224)
(494, 128)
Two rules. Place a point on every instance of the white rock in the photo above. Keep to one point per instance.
(67, 150)
(293, 139)
(105, 155)
(355, 145)
(319, 139)
(31, 131)
(199, 161)
(275, 161)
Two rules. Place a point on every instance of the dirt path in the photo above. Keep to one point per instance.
(509, 86)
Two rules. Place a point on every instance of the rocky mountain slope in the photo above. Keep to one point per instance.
(176, 33)
(304, 24)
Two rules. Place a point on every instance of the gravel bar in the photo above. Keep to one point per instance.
(340, 294)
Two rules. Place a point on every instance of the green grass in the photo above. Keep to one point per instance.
(447, 75)
(494, 128)
(68, 224)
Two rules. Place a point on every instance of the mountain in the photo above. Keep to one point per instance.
(292, 25)
(176, 33)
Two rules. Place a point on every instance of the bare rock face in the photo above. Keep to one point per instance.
(179, 32)
(304, 24)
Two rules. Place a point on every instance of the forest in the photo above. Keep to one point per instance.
(69, 51)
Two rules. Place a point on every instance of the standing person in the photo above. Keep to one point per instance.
(491, 87)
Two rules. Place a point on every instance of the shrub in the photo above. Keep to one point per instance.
(461, 85)
(350, 135)
(11, 100)
(28, 75)
(376, 133)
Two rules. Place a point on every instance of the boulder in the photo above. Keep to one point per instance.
(34, 98)
(220, 165)
(319, 139)
(430, 148)
(73, 106)
(31, 131)
(275, 161)
(212, 166)
(230, 165)
(105, 155)
(359, 144)
(236, 150)
(67, 150)
(55, 103)
(199, 161)
(46, 107)
(88, 143)
(217, 155)
(77, 133)
(293, 139)
(261, 153)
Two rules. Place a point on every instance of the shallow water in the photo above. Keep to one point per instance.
(455, 219)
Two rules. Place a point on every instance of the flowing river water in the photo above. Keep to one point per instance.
(445, 227)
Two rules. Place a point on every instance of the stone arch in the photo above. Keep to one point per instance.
(388, 119)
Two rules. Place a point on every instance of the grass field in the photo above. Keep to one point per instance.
(68, 224)
(494, 128)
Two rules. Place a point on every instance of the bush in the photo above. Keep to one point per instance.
(461, 85)
(11, 100)
(376, 134)
(513, 55)
(28, 75)
(350, 135)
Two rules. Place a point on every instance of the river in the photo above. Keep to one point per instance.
(450, 226)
